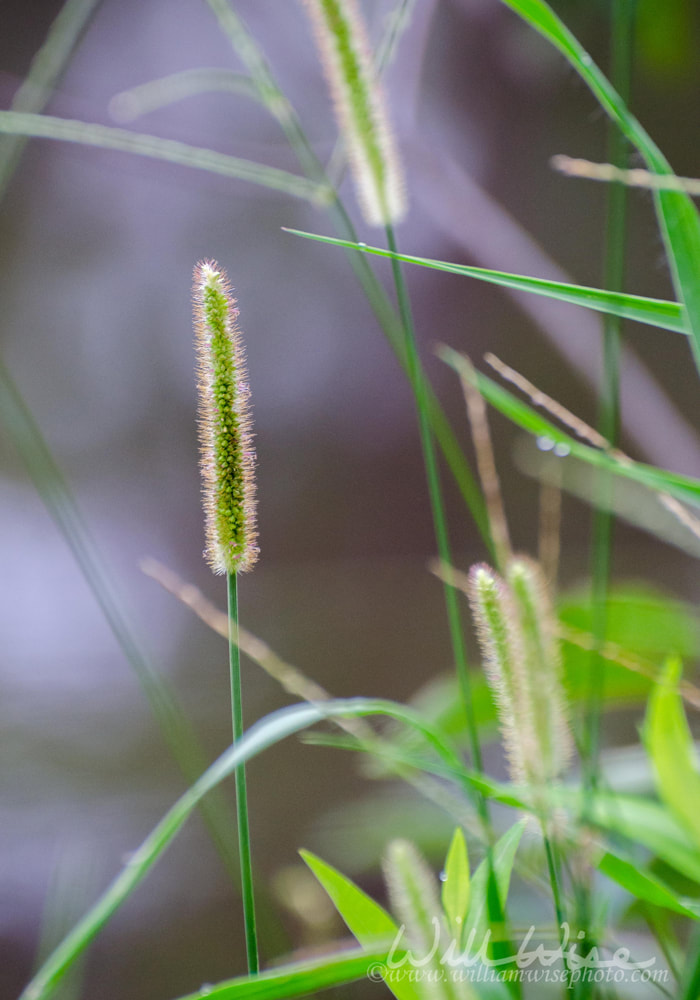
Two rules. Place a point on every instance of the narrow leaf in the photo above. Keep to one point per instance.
(296, 980)
(106, 137)
(259, 737)
(678, 219)
(366, 919)
(672, 751)
(502, 859)
(682, 487)
(643, 886)
(455, 886)
(655, 312)
(646, 823)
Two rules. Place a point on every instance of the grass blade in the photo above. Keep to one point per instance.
(47, 67)
(654, 312)
(170, 150)
(682, 487)
(366, 919)
(672, 751)
(258, 738)
(456, 887)
(298, 979)
(678, 218)
(57, 496)
(502, 859)
(645, 887)
(128, 105)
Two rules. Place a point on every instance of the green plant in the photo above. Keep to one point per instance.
(564, 837)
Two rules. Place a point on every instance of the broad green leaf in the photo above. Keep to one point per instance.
(455, 885)
(645, 887)
(259, 737)
(298, 979)
(682, 487)
(366, 919)
(672, 751)
(107, 137)
(678, 219)
(655, 312)
(503, 859)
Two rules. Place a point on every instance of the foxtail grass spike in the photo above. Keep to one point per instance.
(413, 893)
(517, 635)
(342, 41)
(542, 663)
(225, 435)
(499, 639)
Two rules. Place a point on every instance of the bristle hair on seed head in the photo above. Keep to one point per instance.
(343, 44)
(499, 639)
(227, 457)
(414, 898)
(542, 662)
(517, 634)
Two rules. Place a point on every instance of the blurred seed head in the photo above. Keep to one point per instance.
(341, 37)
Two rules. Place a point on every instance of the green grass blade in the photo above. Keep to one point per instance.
(258, 738)
(367, 920)
(646, 823)
(654, 312)
(678, 218)
(672, 751)
(128, 105)
(58, 498)
(47, 67)
(299, 979)
(456, 884)
(682, 487)
(170, 150)
(502, 859)
(645, 887)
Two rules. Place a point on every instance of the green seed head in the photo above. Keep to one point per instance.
(227, 458)
(542, 663)
(342, 41)
(499, 639)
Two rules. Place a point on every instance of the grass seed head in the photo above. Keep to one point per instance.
(227, 457)
(342, 41)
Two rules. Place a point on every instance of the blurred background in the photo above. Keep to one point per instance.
(97, 250)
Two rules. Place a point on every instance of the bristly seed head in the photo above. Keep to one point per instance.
(227, 457)
(343, 44)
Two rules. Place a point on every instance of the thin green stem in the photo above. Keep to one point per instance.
(436, 499)
(554, 881)
(609, 415)
(622, 24)
(251, 936)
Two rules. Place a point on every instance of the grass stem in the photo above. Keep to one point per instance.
(436, 500)
(251, 936)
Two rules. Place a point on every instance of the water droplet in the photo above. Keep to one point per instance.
(561, 450)
(363, 246)
(545, 443)
(443, 876)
